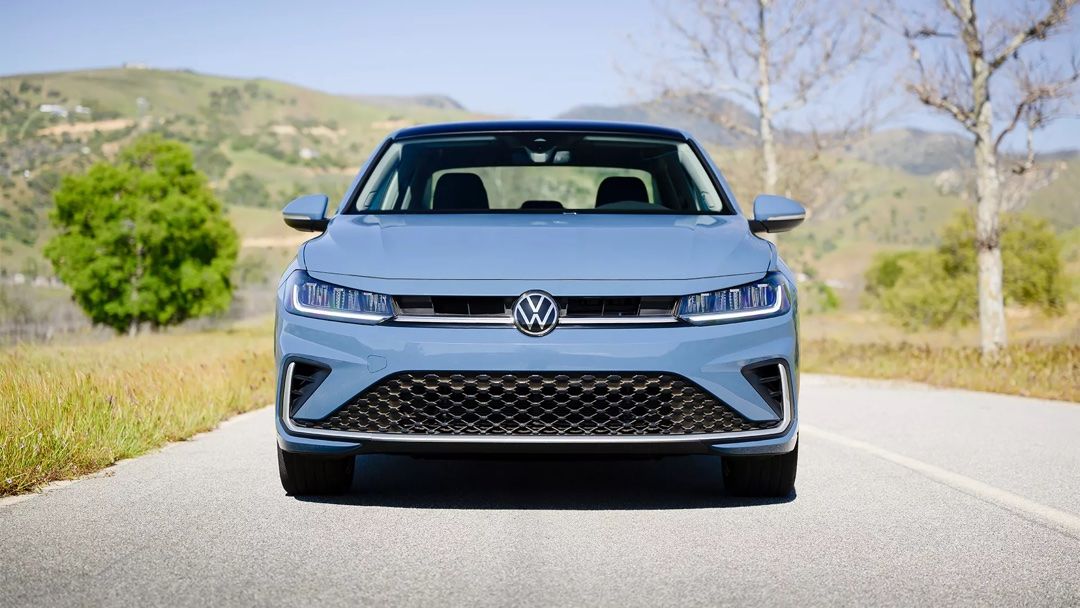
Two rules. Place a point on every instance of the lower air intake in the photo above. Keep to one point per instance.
(305, 378)
(448, 403)
(767, 380)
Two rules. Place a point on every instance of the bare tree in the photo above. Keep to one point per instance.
(774, 56)
(957, 51)
(1041, 94)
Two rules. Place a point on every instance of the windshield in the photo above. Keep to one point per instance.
(539, 173)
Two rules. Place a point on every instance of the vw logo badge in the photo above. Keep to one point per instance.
(536, 313)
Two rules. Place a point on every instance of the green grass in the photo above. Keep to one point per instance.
(1049, 371)
(74, 409)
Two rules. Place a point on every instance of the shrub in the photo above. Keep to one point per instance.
(816, 297)
(926, 294)
(885, 269)
(1030, 254)
(938, 287)
(246, 189)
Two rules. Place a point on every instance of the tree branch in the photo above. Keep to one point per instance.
(930, 97)
(1038, 96)
(1058, 13)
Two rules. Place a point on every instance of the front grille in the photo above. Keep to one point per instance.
(569, 307)
(448, 403)
(453, 305)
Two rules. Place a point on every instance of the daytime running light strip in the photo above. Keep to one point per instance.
(739, 314)
(338, 314)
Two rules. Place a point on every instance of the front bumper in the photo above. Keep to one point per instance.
(713, 357)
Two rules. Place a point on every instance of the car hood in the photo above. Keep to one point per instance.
(537, 246)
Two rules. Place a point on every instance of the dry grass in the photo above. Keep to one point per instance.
(70, 410)
(1050, 371)
(867, 326)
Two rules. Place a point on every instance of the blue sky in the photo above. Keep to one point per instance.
(515, 58)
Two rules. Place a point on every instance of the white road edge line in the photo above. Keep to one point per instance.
(1029, 509)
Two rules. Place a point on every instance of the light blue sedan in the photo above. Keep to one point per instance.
(538, 287)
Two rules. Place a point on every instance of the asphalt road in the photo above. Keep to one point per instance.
(905, 495)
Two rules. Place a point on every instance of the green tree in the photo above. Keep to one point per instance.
(143, 241)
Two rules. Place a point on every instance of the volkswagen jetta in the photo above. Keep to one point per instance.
(538, 287)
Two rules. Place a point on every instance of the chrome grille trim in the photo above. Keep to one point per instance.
(507, 321)
(566, 316)
(456, 319)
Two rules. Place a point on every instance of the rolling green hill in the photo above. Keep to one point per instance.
(260, 141)
(1059, 202)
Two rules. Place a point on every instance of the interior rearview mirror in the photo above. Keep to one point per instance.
(776, 214)
(307, 213)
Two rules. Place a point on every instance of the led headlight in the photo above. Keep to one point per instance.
(314, 298)
(762, 298)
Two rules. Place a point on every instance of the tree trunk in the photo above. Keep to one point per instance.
(769, 165)
(136, 282)
(987, 224)
(770, 170)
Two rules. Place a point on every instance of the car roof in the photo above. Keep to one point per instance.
(585, 126)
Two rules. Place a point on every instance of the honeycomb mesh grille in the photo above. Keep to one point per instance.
(446, 403)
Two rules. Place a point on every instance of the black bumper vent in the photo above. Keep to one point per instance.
(766, 379)
(306, 377)
(449, 403)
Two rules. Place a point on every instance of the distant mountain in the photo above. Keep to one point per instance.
(437, 102)
(1065, 155)
(927, 153)
(690, 114)
(911, 150)
(914, 151)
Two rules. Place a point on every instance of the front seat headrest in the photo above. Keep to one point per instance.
(455, 191)
(620, 189)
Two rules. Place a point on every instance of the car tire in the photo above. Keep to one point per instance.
(303, 475)
(771, 476)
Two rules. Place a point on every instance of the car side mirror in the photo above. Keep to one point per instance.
(776, 214)
(307, 213)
